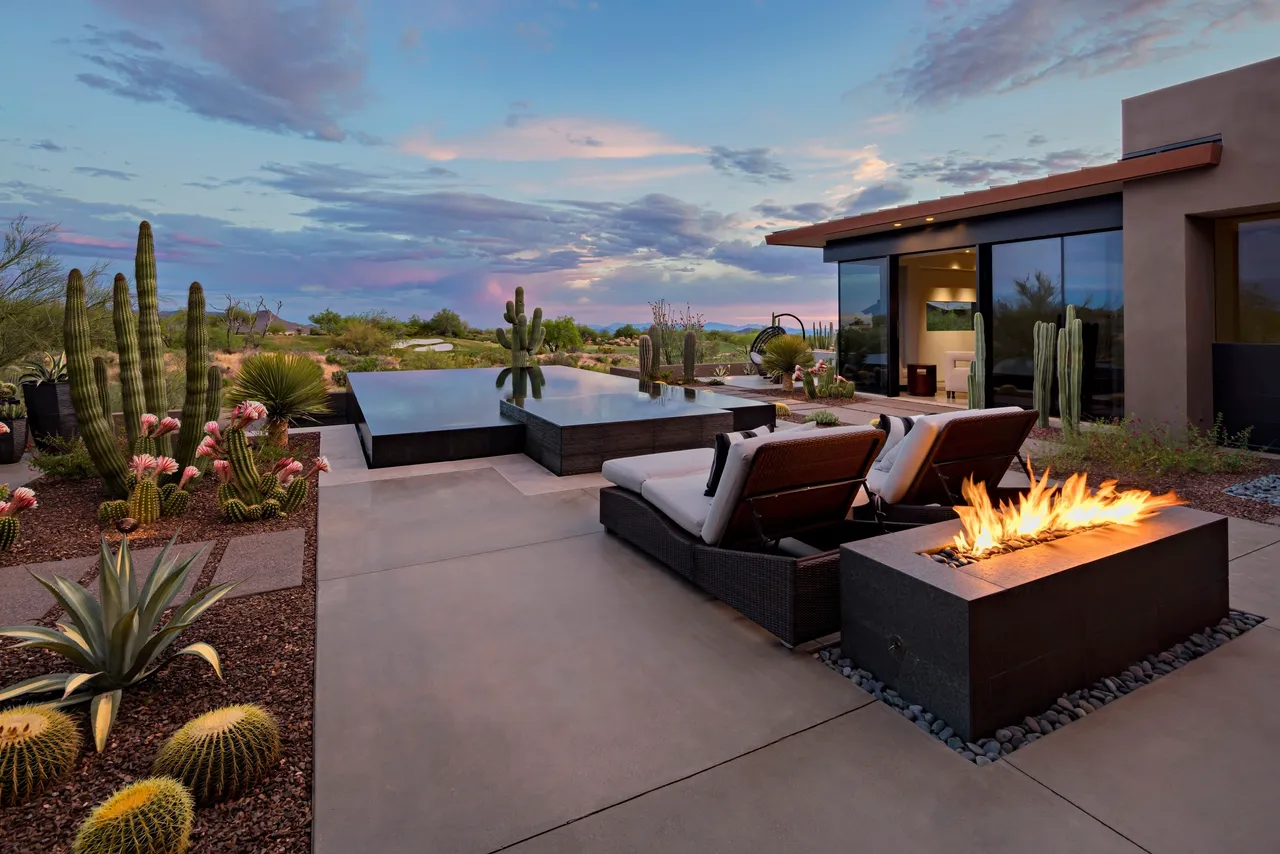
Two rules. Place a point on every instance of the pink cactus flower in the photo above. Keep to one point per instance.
(212, 429)
(322, 464)
(282, 464)
(166, 465)
(4, 428)
(290, 471)
(188, 473)
(222, 468)
(149, 421)
(257, 410)
(167, 425)
(22, 499)
(207, 447)
(142, 464)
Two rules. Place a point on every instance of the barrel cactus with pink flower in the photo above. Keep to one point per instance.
(12, 504)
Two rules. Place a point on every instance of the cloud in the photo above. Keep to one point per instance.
(1037, 139)
(753, 164)
(864, 200)
(47, 145)
(959, 170)
(410, 38)
(973, 50)
(536, 35)
(97, 172)
(274, 65)
(527, 137)
(99, 37)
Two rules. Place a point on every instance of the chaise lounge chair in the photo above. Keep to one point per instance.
(917, 479)
(766, 543)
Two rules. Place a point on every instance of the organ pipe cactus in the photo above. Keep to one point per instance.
(690, 355)
(126, 329)
(244, 493)
(1070, 370)
(99, 438)
(647, 371)
(22, 498)
(1046, 334)
(978, 367)
(102, 382)
(197, 348)
(655, 358)
(212, 408)
(150, 340)
(526, 337)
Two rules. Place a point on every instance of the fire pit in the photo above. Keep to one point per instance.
(991, 617)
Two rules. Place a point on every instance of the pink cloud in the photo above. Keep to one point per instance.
(191, 239)
(94, 242)
(536, 138)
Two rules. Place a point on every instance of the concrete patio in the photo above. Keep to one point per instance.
(496, 673)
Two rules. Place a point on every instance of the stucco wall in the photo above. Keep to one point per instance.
(1168, 233)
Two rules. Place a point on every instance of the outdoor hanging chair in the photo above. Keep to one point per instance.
(766, 335)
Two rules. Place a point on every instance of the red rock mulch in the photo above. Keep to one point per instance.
(267, 646)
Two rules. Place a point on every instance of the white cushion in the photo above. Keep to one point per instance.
(680, 499)
(914, 449)
(895, 427)
(632, 472)
(884, 462)
(738, 467)
(955, 365)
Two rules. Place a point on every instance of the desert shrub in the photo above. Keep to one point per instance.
(339, 378)
(606, 350)
(427, 360)
(561, 358)
(823, 418)
(364, 365)
(1132, 446)
(332, 359)
(65, 458)
(363, 339)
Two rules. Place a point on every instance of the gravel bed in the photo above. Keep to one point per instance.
(267, 646)
(1265, 489)
(1067, 709)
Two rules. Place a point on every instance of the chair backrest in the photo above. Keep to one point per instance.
(978, 444)
(786, 483)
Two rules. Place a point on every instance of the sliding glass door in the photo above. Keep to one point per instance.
(863, 345)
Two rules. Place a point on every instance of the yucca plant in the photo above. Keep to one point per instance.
(782, 355)
(116, 640)
(289, 385)
(47, 369)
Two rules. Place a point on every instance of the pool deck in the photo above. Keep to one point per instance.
(496, 673)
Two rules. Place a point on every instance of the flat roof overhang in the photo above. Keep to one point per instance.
(1083, 183)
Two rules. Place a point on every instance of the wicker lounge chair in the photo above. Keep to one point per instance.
(767, 542)
(932, 461)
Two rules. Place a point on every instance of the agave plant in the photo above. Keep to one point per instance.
(47, 369)
(290, 385)
(115, 641)
(782, 355)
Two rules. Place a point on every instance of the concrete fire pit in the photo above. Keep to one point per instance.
(990, 642)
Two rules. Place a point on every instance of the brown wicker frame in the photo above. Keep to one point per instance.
(806, 485)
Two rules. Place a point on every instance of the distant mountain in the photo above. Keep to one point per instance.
(265, 318)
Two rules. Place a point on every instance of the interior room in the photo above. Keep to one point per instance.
(937, 297)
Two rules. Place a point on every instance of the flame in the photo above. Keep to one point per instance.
(1045, 510)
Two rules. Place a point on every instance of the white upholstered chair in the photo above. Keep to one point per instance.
(955, 363)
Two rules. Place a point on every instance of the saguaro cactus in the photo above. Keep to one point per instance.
(193, 406)
(655, 336)
(526, 337)
(646, 358)
(1046, 334)
(1070, 370)
(126, 327)
(978, 367)
(99, 438)
(690, 355)
(150, 341)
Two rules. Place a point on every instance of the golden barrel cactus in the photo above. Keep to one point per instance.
(37, 747)
(151, 816)
(222, 753)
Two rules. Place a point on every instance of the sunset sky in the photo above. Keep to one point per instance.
(408, 155)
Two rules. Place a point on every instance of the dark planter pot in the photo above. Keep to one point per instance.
(49, 412)
(14, 443)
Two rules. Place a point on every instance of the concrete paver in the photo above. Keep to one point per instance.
(489, 698)
(263, 562)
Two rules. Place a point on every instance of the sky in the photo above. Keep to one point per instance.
(407, 156)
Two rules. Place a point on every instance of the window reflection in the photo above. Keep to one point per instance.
(1249, 281)
(1093, 281)
(1026, 286)
(863, 347)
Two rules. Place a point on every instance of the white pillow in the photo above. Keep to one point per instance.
(895, 427)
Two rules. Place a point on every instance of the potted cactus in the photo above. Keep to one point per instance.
(13, 425)
(47, 395)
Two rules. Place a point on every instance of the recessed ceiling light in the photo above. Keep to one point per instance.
(897, 225)
(928, 219)
(968, 250)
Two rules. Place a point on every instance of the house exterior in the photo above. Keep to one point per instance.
(1171, 255)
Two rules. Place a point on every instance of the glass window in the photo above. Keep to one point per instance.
(863, 347)
(1093, 281)
(1026, 286)
(1249, 281)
